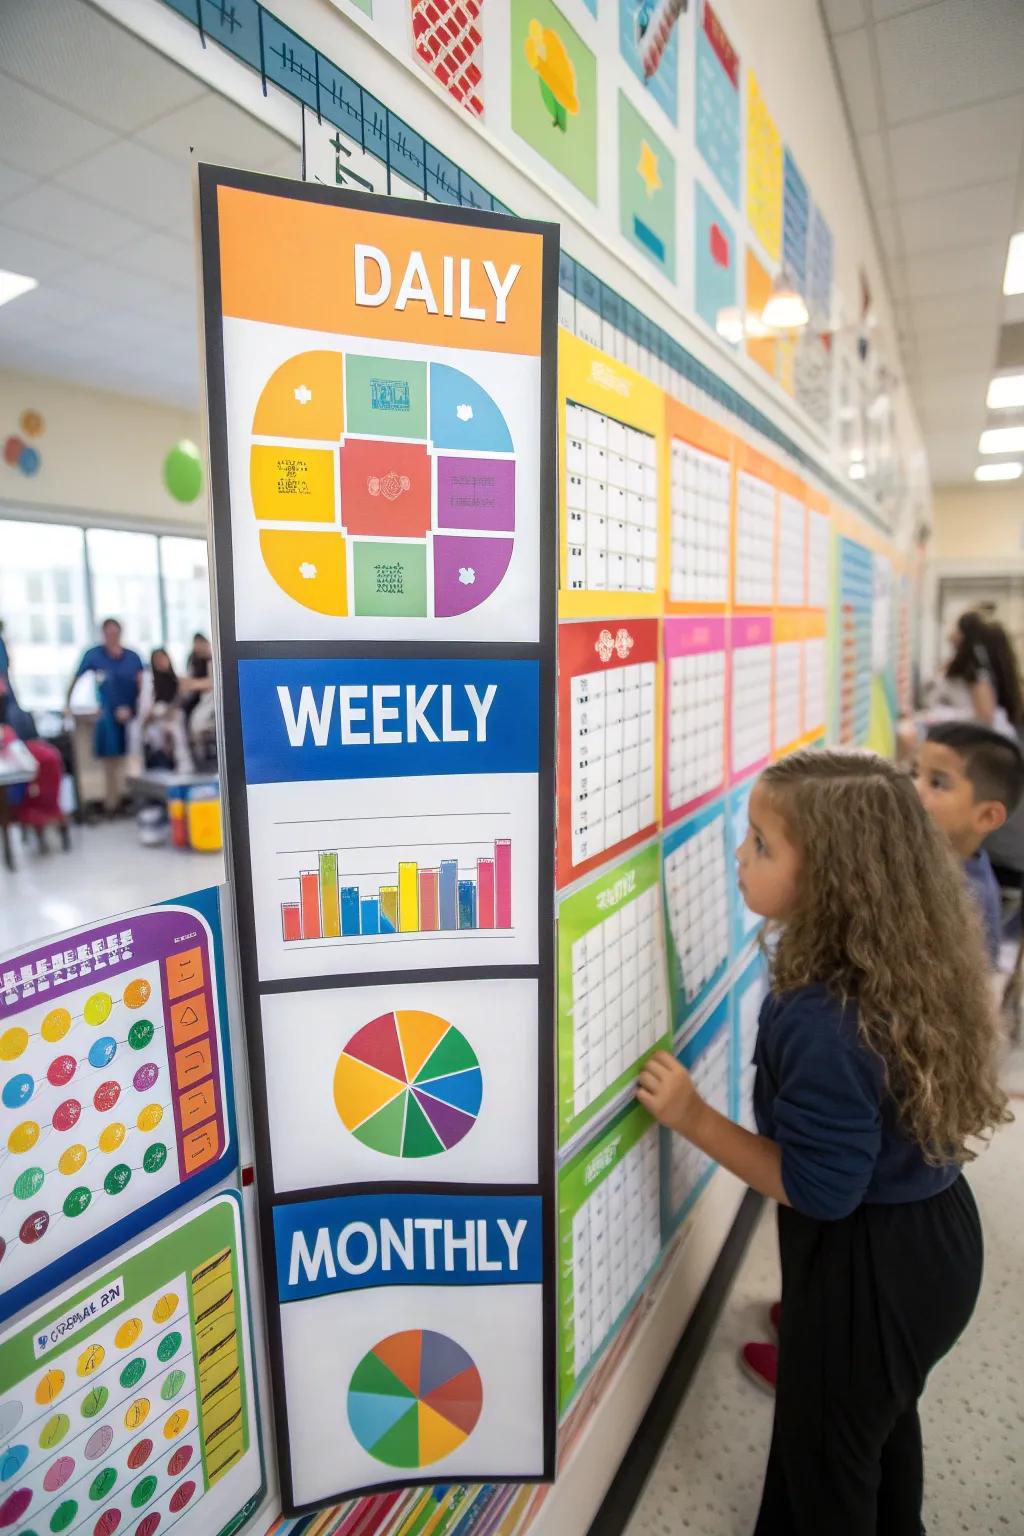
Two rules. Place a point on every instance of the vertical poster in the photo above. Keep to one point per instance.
(554, 92)
(762, 344)
(653, 60)
(647, 189)
(115, 1087)
(129, 1402)
(764, 172)
(449, 44)
(382, 408)
(795, 220)
(717, 127)
(715, 261)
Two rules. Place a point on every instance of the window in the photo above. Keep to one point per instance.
(186, 578)
(45, 611)
(126, 585)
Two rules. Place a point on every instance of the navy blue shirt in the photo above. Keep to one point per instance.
(819, 1094)
(985, 890)
(117, 677)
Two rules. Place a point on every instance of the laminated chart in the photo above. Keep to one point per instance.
(115, 1102)
(700, 499)
(612, 999)
(382, 439)
(788, 681)
(429, 857)
(819, 540)
(750, 680)
(129, 1403)
(697, 878)
(609, 1236)
(744, 922)
(717, 118)
(707, 1056)
(613, 494)
(792, 547)
(696, 709)
(754, 532)
(404, 1081)
(607, 741)
(856, 602)
(746, 999)
(815, 646)
(450, 1392)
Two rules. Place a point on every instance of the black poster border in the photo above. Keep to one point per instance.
(230, 651)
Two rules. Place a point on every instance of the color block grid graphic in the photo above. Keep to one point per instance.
(382, 487)
(415, 1397)
(408, 1084)
(449, 44)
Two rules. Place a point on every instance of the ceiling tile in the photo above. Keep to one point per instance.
(843, 15)
(136, 181)
(955, 52)
(874, 163)
(52, 210)
(978, 308)
(957, 271)
(77, 55)
(162, 257)
(39, 136)
(853, 56)
(26, 253)
(963, 217)
(883, 9)
(958, 149)
(116, 286)
(217, 131)
(12, 182)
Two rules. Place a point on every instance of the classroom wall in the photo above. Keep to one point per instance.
(978, 522)
(101, 454)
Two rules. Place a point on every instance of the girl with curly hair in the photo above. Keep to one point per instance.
(876, 1071)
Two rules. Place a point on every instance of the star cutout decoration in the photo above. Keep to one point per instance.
(647, 168)
(303, 395)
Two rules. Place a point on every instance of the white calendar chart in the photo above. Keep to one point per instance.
(792, 574)
(697, 876)
(707, 1056)
(754, 548)
(607, 748)
(787, 691)
(700, 498)
(612, 997)
(751, 694)
(815, 678)
(695, 713)
(744, 922)
(819, 541)
(747, 997)
(609, 1236)
(612, 503)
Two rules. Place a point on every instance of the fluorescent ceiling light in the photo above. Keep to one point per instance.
(1013, 277)
(1001, 440)
(1005, 392)
(785, 310)
(13, 285)
(857, 472)
(1008, 470)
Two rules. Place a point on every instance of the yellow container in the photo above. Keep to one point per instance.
(204, 829)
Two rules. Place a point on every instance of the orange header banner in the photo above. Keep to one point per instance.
(298, 262)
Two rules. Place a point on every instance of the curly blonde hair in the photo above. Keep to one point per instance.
(884, 918)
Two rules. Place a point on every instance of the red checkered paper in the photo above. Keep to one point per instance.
(448, 42)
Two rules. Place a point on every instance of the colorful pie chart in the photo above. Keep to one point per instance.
(414, 1398)
(408, 1084)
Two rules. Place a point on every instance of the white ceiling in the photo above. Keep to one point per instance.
(98, 136)
(935, 95)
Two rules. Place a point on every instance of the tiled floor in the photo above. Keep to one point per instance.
(708, 1479)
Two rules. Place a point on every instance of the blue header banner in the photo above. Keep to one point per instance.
(387, 718)
(357, 1242)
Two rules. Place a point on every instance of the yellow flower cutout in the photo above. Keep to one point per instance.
(647, 168)
(546, 54)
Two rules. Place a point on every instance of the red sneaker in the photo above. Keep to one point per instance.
(774, 1313)
(761, 1363)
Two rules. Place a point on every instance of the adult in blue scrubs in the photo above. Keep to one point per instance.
(118, 674)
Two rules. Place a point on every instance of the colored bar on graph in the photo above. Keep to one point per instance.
(448, 894)
(329, 895)
(485, 890)
(467, 903)
(428, 900)
(408, 897)
(309, 897)
(370, 915)
(503, 883)
(349, 911)
(291, 921)
(389, 909)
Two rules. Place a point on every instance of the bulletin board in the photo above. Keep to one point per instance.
(382, 409)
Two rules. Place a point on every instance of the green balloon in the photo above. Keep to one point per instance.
(183, 471)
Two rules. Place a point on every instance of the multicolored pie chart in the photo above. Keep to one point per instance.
(408, 1084)
(415, 1397)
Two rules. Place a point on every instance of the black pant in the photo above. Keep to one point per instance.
(869, 1304)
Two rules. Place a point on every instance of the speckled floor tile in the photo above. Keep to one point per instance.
(708, 1479)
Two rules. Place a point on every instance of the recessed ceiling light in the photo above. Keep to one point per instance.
(1005, 391)
(1013, 277)
(13, 285)
(1001, 440)
(1009, 470)
(857, 472)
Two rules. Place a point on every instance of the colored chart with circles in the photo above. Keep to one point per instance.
(414, 1398)
(382, 487)
(408, 1084)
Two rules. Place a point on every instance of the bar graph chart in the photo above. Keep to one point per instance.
(455, 895)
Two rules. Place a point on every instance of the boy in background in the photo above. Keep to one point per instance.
(970, 781)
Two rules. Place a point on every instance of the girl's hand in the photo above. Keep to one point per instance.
(666, 1091)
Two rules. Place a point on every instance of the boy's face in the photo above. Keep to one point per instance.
(948, 796)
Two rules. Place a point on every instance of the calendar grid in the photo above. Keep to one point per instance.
(755, 541)
(792, 551)
(700, 494)
(611, 480)
(788, 693)
(697, 902)
(708, 1059)
(750, 695)
(613, 758)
